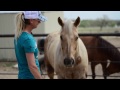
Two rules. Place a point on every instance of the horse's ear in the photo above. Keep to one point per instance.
(77, 22)
(60, 22)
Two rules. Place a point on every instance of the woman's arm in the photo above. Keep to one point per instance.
(32, 66)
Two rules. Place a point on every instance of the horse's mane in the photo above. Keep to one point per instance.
(68, 24)
(108, 49)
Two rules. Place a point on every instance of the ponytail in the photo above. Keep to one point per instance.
(20, 25)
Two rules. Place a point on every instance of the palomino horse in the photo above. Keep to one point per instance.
(65, 53)
(99, 52)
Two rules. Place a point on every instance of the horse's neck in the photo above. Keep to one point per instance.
(59, 50)
(78, 48)
(81, 49)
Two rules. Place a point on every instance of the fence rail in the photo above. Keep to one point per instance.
(85, 34)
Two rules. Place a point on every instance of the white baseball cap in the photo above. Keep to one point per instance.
(34, 15)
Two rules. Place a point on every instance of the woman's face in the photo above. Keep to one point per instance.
(34, 23)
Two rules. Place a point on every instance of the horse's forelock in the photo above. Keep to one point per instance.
(68, 27)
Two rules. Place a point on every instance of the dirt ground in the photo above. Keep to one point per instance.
(7, 71)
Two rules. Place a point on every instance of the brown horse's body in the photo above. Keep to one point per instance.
(96, 54)
(65, 53)
(99, 52)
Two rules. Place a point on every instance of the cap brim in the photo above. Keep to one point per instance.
(43, 18)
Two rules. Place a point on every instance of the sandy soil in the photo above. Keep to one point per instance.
(7, 71)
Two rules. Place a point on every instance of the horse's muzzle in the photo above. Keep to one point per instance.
(68, 62)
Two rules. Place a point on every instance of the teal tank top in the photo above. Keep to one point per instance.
(25, 44)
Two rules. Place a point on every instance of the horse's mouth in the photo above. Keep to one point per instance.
(69, 66)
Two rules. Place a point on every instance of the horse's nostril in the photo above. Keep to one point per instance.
(68, 61)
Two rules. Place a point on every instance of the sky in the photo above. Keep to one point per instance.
(113, 15)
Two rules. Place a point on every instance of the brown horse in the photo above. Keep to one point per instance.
(65, 53)
(99, 52)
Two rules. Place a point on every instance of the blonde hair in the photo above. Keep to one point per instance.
(20, 25)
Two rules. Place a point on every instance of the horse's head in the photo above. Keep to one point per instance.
(114, 67)
(69, 37)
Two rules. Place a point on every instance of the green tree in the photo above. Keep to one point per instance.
(103, 21)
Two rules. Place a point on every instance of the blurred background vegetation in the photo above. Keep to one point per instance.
(100, 25)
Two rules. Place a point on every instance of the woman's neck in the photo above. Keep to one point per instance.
(28, 29)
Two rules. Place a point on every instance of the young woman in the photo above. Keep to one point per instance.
(25, 44)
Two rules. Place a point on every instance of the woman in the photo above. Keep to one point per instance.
(25, 44)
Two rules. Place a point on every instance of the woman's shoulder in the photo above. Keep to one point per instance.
(25, 36)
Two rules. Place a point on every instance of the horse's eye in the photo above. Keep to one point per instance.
(61, 38)
(75, 48)
(76, 38)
